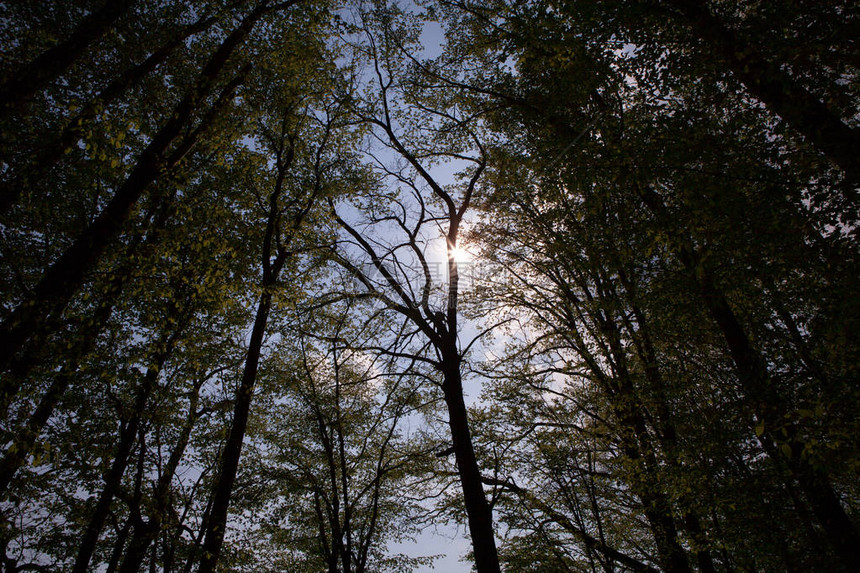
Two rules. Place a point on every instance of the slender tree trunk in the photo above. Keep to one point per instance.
(633, 430)
(133, 518)
(50, 64)
(478, 511)
(49, 154)
(766, 80)
(233, 448)
(128, 434)
(347, 550)
(145, 533)
(656, 505)
(771, 412)
(768, 404)
(117, 470)
(274, 256)
(667, 433)
(194, 552)
(332, 508)
(64, 278)
(121, 538)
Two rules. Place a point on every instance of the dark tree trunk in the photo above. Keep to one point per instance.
(768, 405)
(667, 433)
(52, 151)
(478, 511)
(133, 518)
(635, 443)
(121, 538)
(766, 80)
(274, 256)
(113, 478)
(771, 411)
(242, 405)
(50, 64)
(64, 278)
(233, 448)
(145, 533)
(635, 437)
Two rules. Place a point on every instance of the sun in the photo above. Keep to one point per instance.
(460, 255)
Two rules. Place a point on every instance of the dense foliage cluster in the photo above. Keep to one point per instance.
(258, 257)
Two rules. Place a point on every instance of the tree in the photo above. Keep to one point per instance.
(331, 462)
(296, 192)
(407, 286)
(608, 142)
(233, 282)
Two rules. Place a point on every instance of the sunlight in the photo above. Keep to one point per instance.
(461, 255)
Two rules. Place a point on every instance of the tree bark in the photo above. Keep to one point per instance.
(478, 511)
(50, 64)
(667, 433)
(64, 278)
(621, 394)
(233, 448)
(223, 490)
(635, 443)
(766, 80)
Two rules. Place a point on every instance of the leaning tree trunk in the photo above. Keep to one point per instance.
(274, 257)
(233, 448)
(767, 81)
(666, 431)
(50, 64)
(65, 277)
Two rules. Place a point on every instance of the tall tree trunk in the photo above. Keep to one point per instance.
(333, 507)
(274, 256)
(667, 433)
(119, 543)
(64, 278)
(50, 64)
(766, 80)
(233, 448)
(145, 533)
(768, 405)
(113, 478)
(771, 411)
(133, 518)
(635, 441)
(478, 511)
(347, 547)
(51, 152)
(635, 437)
(217, 523)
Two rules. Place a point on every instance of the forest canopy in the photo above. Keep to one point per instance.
(285, 283)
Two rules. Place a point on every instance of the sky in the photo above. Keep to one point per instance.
(449, 542)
